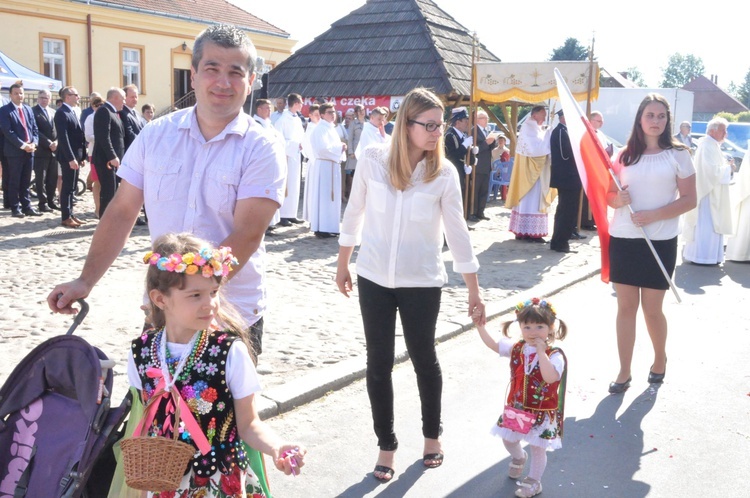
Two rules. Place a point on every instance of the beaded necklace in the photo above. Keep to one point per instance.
(174, 369)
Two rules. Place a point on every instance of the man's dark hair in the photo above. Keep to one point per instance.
(293, 98)
(227, 36)
(14, 86)
(259, 103)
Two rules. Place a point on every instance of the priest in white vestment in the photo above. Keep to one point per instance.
(262, 116)
(738, 246)
(529, 193)
(313, 115)
(323, 203)
(290, 126)
(711, 220)
(373, 132)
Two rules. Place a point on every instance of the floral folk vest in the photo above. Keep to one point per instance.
(203, 387)
(531, 392)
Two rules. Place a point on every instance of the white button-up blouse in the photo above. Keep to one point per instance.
(400, 233)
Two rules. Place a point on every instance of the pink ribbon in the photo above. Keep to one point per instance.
(187, 416)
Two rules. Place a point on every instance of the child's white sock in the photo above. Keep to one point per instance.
(538, 462)
(514, 448)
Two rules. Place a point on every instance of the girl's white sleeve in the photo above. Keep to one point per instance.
(242, 378)
(133, 377)
(558, 361)
(504, 347)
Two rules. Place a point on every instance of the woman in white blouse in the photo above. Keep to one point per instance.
(405, 194)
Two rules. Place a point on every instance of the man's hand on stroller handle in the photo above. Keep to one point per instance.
(64, 295)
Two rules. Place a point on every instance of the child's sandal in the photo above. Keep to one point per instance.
(515, 469)
(529, 487)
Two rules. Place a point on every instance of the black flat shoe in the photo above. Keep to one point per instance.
(619, 388)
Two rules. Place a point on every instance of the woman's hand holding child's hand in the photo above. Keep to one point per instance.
(291, 458)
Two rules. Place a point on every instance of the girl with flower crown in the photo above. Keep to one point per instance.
(199, 351)
(537, 387)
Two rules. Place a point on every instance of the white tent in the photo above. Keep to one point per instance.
(11, 72)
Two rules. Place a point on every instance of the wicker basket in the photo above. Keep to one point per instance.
(156, 463)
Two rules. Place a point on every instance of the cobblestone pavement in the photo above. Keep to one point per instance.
(308, 325)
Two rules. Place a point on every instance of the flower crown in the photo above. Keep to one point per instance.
(535, 301)
(210, 262)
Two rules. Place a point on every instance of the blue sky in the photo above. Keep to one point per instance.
(643, 34)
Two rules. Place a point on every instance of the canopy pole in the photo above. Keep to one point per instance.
(588, 113)
(469, 179)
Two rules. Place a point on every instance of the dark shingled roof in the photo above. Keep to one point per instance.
(386, 47)
(710, 99)
(203, 11)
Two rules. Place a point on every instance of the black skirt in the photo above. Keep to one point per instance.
(632, 263)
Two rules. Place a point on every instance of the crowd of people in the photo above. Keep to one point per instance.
(43, 150)
(212, 181)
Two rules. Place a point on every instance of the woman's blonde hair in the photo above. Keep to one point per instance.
(164, 281)
(415, 103)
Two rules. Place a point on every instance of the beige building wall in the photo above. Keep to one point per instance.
(159, 39)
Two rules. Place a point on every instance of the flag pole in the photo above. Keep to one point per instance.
(469, 180)
(648, 241)
(588, 113)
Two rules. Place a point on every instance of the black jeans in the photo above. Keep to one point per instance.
(418, 308)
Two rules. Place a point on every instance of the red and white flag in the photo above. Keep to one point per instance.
(593, 165)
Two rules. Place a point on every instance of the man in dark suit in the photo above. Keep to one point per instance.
(45, 162)
(3, 162)
(131, 121)
(21, 137)
(485, 144)
(71, 153)
(564, 177)
(457, 143)
(109, 145)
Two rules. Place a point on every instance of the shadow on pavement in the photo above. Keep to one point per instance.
(600, 456)
(694, 279)
(397, 488)
(738, 271)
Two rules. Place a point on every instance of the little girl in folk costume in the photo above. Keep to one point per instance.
(537, 387)
(203, 350)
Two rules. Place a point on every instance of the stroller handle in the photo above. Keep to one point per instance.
(79, 316)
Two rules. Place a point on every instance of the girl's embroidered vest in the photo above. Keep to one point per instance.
(206, 393)
(530, 392)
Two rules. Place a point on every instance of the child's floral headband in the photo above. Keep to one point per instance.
(535, 301)
(210, 262)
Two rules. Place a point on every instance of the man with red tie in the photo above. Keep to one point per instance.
(21, 137)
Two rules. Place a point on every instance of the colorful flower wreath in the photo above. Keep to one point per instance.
(209, 262)
(535, 301)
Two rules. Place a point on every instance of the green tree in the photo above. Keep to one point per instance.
(635, 75)
(571, 50)
(681, 69)
(743, 91)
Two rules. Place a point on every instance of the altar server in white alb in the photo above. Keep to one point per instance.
(323, 204)
(262, 116)
(290, 127)
(373, 132)
(738, 246)
(711, 220)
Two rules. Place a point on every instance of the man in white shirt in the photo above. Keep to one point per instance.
(290, 127)
(373, 132)
(323, 186)
(711, 220)
(280, 105)
(227, 197)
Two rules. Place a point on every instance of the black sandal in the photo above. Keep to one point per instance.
(384, 470)
(435, 458)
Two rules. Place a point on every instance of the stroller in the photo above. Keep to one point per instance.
(57, 426)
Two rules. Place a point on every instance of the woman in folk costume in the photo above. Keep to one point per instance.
(529, 194)
(738, 246)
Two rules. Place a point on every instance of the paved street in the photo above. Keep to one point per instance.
(687, 438)
(310, 328)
